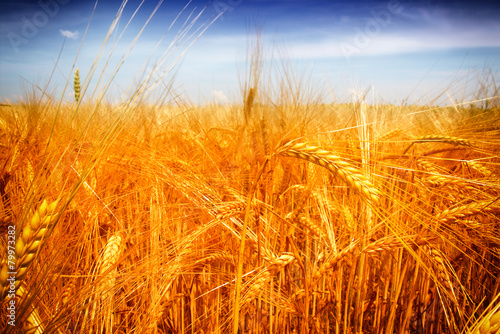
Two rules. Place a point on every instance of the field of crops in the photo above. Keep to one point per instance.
(251, 218)
(278, 214)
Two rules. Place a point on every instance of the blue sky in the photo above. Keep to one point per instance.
(405, 50)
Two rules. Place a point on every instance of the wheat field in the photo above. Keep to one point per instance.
(251, 219)
(280, 214)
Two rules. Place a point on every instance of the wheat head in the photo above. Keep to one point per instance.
(27, 245)
(443, 139)
(76, 85)
(336, 165)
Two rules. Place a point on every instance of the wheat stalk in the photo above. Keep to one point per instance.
(332, 261)
(299, 203)
(443, 139)
(442, 180)
(76, 85)
(68, 292)
(27, 245)
(107, 271)
(471, 209)
(478, 167)
(428, 166)
(336, 165)
(111, 254)
(265, 136)
(265, 276)
(248, 104)
(231, 210)
(440, 261)
(33, 323)
(216, 257)
(388, 135)
(393, 242)
(490, 325)
(312, 226)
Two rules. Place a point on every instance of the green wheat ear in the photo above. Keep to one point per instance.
(76, 85)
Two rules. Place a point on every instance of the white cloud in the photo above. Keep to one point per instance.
(219, 96)
(392, 43)
(69, 34)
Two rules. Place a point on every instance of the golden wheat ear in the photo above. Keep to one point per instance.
(266, 276)
(26, 247)
(107, 267)
(443, 139)
(112, 253)
(336, 165)
(248, 105)
(490, 324)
